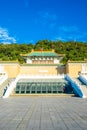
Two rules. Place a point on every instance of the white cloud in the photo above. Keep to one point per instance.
(59, 38)
(68, 28)
(5, 37)
(67, 33)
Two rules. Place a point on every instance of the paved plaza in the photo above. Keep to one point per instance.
(43, 113)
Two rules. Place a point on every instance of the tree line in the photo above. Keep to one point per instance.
(73, 50)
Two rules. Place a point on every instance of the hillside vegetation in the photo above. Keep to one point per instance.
(75, 51)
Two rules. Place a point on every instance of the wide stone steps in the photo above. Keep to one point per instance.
(82, 86)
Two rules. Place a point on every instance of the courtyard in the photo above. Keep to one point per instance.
(43, 113)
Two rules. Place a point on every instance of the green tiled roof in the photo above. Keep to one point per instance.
(43, 54)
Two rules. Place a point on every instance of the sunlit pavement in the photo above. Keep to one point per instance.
(43, 113)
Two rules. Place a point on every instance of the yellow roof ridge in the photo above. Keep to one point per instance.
(42, 51)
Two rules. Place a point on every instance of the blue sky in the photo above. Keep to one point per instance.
(28, 21)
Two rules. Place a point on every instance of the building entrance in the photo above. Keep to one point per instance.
(42, 86)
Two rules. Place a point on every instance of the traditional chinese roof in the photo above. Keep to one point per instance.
(42, 53)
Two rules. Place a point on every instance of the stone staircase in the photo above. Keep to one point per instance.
(82, 86)
(3, 86)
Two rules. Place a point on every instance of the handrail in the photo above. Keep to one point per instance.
(10, 87)
(3, 78)
(76, 86)
(83, 79)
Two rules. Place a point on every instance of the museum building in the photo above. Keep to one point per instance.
(42, 73)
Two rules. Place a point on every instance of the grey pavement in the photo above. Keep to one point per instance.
(43, 113)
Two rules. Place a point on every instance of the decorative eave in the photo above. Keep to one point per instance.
(40, 53)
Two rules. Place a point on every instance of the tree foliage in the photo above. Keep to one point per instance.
(73, 50)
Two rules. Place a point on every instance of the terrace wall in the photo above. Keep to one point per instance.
(13, 69)
(74, 68)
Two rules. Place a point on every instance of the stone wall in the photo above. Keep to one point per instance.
(13, 69)
(74, 68)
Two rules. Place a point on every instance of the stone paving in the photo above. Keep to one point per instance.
(43, 113)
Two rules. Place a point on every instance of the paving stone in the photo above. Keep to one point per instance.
(43, 113)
